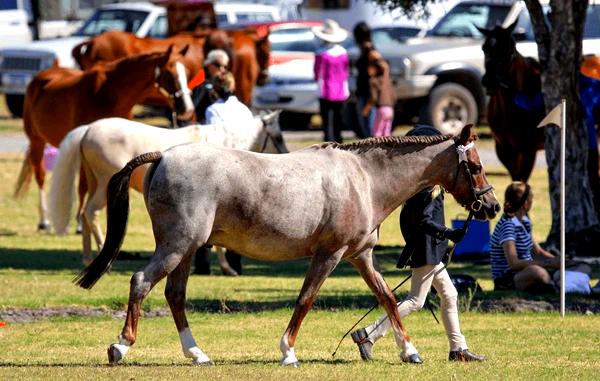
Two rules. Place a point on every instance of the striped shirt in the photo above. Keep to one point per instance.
(510, 229)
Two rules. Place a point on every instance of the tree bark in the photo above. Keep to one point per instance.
(559, 43)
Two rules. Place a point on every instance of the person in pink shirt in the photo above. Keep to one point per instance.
(331, 73)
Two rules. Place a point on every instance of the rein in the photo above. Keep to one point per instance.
(469, 218)
(178, 94)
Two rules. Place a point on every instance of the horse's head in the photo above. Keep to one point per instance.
(273, 140)
(263, 56)
(469, 184)
(499, 49)
(172, 81)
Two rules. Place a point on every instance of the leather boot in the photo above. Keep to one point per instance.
(464, 355)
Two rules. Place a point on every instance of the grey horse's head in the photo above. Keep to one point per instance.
(274, 142)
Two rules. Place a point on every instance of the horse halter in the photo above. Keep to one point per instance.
(269, 136)
(178, 94)
(477, 204)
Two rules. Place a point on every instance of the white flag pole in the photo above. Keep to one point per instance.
(563, 145)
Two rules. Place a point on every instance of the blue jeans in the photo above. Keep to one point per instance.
(366, 123)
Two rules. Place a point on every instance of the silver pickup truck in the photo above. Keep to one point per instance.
(438, 77)
(18, 65)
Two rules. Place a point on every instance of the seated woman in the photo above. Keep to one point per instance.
(512, 246)
(518, 262)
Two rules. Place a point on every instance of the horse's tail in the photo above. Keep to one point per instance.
(24, 178)
(62, 188)
(117, 212)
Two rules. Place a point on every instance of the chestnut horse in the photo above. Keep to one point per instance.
(516, 104)
(113, 45)
(249, 53)
(325, 202)
(58, 100)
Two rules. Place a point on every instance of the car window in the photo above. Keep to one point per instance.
(222, 19)
(461, 20)
(112, 19)
(254, 17)
(8, 4)
(293, 40)
(524, 27)
(592, 22)
(160, 28)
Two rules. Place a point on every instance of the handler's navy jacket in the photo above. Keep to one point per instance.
(423, 226)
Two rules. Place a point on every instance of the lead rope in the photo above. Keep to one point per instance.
(469, 218)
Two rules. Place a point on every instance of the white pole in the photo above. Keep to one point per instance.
(563, 138)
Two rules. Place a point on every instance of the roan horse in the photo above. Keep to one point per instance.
(516, 104)
(105, 146)
(59, 100)
(325, 202)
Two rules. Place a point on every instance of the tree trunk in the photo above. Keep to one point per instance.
(560, 52)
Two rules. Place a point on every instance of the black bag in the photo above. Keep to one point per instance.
(464, 284)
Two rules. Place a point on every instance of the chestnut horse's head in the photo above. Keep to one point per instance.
(263, 56)
(469, 185)
(171, 80)
(499, 49)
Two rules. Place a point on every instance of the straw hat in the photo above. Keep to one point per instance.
(330, 31)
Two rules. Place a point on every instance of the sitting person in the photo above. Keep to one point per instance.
(518, 262)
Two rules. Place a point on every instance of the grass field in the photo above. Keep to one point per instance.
(238, 321)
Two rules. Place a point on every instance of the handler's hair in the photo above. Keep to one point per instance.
(515, 196)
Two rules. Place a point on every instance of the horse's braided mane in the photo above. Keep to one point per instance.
(384, 142)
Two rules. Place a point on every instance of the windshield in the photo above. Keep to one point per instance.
(112, 19)
(293, 40)
(461, 20)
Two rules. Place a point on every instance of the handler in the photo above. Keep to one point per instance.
(422, 225)
(215, 65)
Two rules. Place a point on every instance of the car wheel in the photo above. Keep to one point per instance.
(292, 121)
(14, 102)
(451, 106)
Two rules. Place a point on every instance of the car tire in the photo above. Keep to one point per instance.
(294, 121)
(14, 102)
(450, 107)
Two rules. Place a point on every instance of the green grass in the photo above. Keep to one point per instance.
(36, 270)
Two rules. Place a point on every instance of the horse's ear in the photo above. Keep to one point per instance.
(184, 50)
(467, 135)
(512, 27)
(170, 49)
(482, 30)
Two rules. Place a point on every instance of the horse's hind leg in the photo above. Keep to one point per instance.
(225, 267)
(36, 157)
(164, 261)
(175, 291)
(82, 190)
(321, 265)
(364, 264)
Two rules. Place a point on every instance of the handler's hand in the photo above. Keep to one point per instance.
(456, 235)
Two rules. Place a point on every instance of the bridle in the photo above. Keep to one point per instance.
(269, 136)
(178, 94)
(477, 204)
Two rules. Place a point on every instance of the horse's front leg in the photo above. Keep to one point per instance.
(161, 263)
(175, 291)
(363, 262)
(321, 265)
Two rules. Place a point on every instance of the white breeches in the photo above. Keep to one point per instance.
(422, 280)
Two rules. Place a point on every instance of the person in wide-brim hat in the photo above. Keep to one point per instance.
(330, 32)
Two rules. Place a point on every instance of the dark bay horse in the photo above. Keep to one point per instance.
(325, 202)
(58, 100)
(516, 104)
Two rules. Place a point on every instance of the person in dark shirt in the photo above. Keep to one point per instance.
(362, 37)
(426, 236)
(215, 64)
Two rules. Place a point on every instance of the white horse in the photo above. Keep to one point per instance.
(102, 148)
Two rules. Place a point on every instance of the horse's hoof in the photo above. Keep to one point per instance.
(295, 364)
(43, 226)
(114, 355)
(230, 273)
(411, 359)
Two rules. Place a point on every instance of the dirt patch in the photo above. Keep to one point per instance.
(27, 315)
